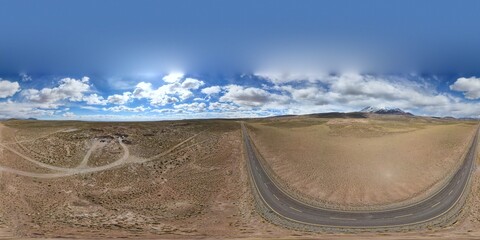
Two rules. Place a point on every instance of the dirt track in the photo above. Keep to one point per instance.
(82, 167)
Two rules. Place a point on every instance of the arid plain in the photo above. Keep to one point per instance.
(189, 179)
(362, 163)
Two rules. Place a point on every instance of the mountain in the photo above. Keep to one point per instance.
(339, 115)
(13, 119)
(385, 110)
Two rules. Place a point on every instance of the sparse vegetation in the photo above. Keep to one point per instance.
(195, 187)
(356, 163)
(188, 178)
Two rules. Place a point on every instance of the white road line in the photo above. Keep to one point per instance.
(276, 197)
(295, 209)
(348, 219)
(450, 192)
(406, 215)
(435, 204)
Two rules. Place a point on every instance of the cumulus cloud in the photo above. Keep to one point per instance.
(8, 89)
(281, 77)
(162, 100)
(91, 108)
(351, 92)
(222, 107)
(469, 86)
(174, 92)
(311, 95)
(167, 110)
(126, 109)
(392, 91)
(11, 109)
(94, 99)
(69, 115)
(191, 83)
(68, 89)
(173, 77)
(119, 99)
(251, 96)
(282, 93)
(142, 90)
(211, 90)
(74, 90)
(192, 107)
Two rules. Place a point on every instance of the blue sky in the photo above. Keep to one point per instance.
(148, 60)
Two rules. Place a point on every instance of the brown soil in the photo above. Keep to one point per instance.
(199, 189)
(362, 163)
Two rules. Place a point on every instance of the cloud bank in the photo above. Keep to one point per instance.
(176, 96)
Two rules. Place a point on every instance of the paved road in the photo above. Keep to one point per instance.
(289, 208)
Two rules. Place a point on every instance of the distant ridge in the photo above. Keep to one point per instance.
(385, 110)
(13, 119)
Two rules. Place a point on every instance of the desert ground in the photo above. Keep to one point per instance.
(180, 179)
(362, 163)
(189, 179)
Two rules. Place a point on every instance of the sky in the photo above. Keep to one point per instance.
(118, 60)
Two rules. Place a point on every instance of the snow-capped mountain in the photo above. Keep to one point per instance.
(385, 110)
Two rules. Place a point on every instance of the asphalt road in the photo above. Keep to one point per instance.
(291, 209)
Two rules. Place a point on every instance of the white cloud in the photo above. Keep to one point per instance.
(10, 109)
(167, 110)
(191, 83)
(222, 107)
(168, 93)
(162, 100)
(351, 88)
(192, 107)
(69, 89)
(94, 99)
(211, 90)
(8, 89)
(173, 77)
(252, 97)
(69, 115)
(126, 109)
(90, 108)
(143, 90)
(469, 86)
(310, 94)
(289, 94)
(119, 99)
(281, 77)
(351, 92)
(158, 97)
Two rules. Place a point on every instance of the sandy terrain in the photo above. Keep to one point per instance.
(180, 180)
(198, 188)
(361, 163)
